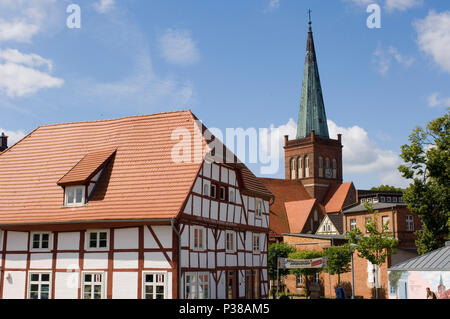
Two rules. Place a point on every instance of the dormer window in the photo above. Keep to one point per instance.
(75, 195)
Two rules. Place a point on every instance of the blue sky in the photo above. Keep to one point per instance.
(234, 64)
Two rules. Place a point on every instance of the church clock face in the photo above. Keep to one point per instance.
(328, 173)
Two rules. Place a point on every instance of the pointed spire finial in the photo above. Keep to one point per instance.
(309, 18)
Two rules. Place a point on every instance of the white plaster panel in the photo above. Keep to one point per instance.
(194, 260)
(198, 186)
(214, 210)
(184, 258)
(203, 257)
(67, 261)
(223, 211)
(149, 241)
(41, 261)
(256, 261)
(155, 260)
(125, 285)
(221, 240)
(185, 237)
(17, 241)
(206, 169)
(188, 207)
(16, 261)
(95, 260)
(238, 197)
(249, 259)
(232, 177)
(69, 241)
(245, 199)
(220, 259)
(197, 206)
(126, 238)
(66, 285)
(251, 218)
(205, 210)
(211, 260)
(211, 240)
(221, 285)
(241, 259)
(231, 260)
(249, 241)
(230, 213)
(126, 260)
(224, 175)
(251, 203)
(164, 234)
(215, 172)
(237, 214)
(15, 287)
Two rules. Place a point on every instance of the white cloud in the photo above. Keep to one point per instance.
(177, 47)
(103, 6)
(433, 37)
(13, 136)
(21, 20)
(273, 5)
(20, 74)
(401, 5)
(434, 100)
(382, 59)
(361, 155)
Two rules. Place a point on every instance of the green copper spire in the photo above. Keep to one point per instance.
(312, 110)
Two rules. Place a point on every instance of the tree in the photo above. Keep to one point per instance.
(427, 165)
(339, 258)
(386, 188)
(377, 245)
(306, 273)
(277, 250)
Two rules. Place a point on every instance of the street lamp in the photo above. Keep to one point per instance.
(353, 273)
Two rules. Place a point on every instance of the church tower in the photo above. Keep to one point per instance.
(313, 158)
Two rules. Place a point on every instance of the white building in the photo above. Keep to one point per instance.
(138, 207)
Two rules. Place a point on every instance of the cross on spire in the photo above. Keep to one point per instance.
(309, 15)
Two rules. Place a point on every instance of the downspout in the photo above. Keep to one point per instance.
(172, 222)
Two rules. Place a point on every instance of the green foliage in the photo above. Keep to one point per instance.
(427, 165)
(278, 250)
(386, 188)
(339, 258)
(394, 277)
(378, 244)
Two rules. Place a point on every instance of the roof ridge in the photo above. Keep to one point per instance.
(119, 118)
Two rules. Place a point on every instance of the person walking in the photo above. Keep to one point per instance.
(430, 294)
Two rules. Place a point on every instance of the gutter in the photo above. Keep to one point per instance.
(166, 220)
(172, 223)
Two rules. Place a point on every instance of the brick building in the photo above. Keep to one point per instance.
(313, 207)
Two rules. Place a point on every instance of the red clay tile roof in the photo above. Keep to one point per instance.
(87, 168)
(298, 213)
(284, 191)
(252, 183)
(140, 182)
(336, 196)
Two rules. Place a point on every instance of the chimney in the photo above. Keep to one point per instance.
(313, 135)
(340, 138)
(3, 142)
(286, 139)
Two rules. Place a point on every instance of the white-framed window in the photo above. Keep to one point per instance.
(329, 227)
(334, 168)
(232, 195)
(315, 278)
(259, 207)
(352, 224)
(196, 285)
(300, 167)
(375, 199)
(385, 220)
(293, 169)
(223, 193)
(40, 241)
(388, 199)
(299, 280)
(394, 199)
(320, 166)
(93, 285)
(213, 191)
(410, 223)
(363, 200)
(230, 239)
(75, 195)
(155, 285)
(198, 240)
(39, 284)
(306, 166)
(97, 239)
(382, 199)
(256, 243)
(400, 200)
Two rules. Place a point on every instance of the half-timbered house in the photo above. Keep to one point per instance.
(138, 207)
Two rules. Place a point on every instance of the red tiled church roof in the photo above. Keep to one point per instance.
(298, 213)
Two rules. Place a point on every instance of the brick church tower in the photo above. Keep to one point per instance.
(313, 158)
